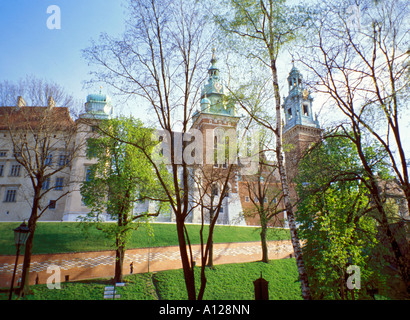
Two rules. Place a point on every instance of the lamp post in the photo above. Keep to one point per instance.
(20, 236)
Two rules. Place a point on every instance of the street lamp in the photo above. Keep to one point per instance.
(20, 236)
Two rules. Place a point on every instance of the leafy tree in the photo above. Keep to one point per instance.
(121, 177)
(360, 62)
(260, 30)
(335, 216)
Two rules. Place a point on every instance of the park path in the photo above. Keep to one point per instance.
(100, 264)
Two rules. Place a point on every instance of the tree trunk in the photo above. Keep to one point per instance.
(400, 258)
(374, 190)
(187, 267)
(25, 277)
(119, 263)
(265, 255)
(210, 263)
(211, 253)
(298, 252)
(284, 181)
(203, 284)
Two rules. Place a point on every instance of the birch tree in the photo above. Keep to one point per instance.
(260, 30)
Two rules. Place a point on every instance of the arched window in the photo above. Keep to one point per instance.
(215, 151)
(306, 110)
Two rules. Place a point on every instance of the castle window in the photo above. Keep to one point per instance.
(227, 194)
(48, 160)
(46, 184)
(52, 204)
(11, 195)
(63, 160)
(214, 189)
(306, 110)
(15, 170)
(88, 173)
(215, 152)
(59, 184)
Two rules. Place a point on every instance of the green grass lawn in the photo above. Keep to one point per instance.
(225, 282)
(235, 281)
(61, 237)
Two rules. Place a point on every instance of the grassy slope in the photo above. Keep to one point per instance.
(223, 284)
(59, 237)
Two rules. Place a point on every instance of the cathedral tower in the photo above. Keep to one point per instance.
(217, 119)
(300, 129)
(217, 122)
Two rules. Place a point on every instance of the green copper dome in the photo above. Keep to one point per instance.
(213, 95)
(98, 106)
(98, 98)
(205, 103)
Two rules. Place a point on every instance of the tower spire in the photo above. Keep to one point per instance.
(298, 103)
(213, 70)
(213, 60)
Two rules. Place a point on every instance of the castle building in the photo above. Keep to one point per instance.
(45, 140)
(216, 122)
(35, 141)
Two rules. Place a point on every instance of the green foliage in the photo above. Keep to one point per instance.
(261, 28)
(335, 219)
(121, 176)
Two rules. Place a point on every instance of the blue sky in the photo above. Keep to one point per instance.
(29, 47)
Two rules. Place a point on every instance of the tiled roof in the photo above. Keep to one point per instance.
(21, 117)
